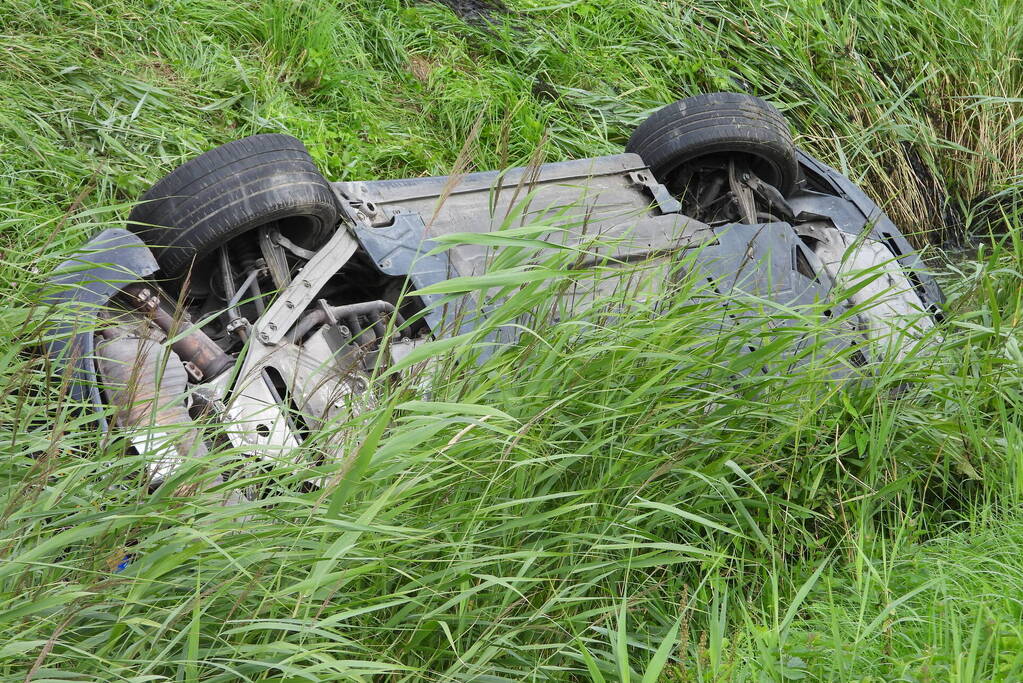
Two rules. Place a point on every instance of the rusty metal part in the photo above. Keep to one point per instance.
(195, 347)
(239, 326)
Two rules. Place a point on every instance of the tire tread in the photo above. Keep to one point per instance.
(209, 200)
(716, 122)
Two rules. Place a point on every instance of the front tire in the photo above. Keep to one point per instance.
(691, 135)
(231, 190)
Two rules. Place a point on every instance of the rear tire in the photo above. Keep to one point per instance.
(231, 190)
(709, 129)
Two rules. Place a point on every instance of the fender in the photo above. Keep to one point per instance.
(80, 288)
(882, 229)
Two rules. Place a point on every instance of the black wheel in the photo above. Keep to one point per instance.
(230, 190)
(702, 134)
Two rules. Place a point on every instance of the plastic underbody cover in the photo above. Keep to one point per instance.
(616, 199)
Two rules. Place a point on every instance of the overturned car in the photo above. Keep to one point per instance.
(249, 283)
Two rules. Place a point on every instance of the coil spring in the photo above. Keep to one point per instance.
(246, 253)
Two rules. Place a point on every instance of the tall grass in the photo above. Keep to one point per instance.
(622, 494)
(615, 478)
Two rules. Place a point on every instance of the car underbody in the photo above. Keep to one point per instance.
(278, 337)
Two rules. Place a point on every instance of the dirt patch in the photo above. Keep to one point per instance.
(544, 90)
(479, 12)
(421, 68)
(162, 70)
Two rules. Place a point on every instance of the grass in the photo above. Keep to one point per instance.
(614, 498)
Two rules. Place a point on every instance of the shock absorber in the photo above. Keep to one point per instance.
(250, 260)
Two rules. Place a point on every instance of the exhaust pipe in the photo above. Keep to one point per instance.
(202, 358)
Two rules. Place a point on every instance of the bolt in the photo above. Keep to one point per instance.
(263, 336)
(306, 283)
(289, 304)
(193, 371)
(360, 215)
(272, 327)
(237, 323)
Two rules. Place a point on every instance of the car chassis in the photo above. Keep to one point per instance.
(288, 339)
